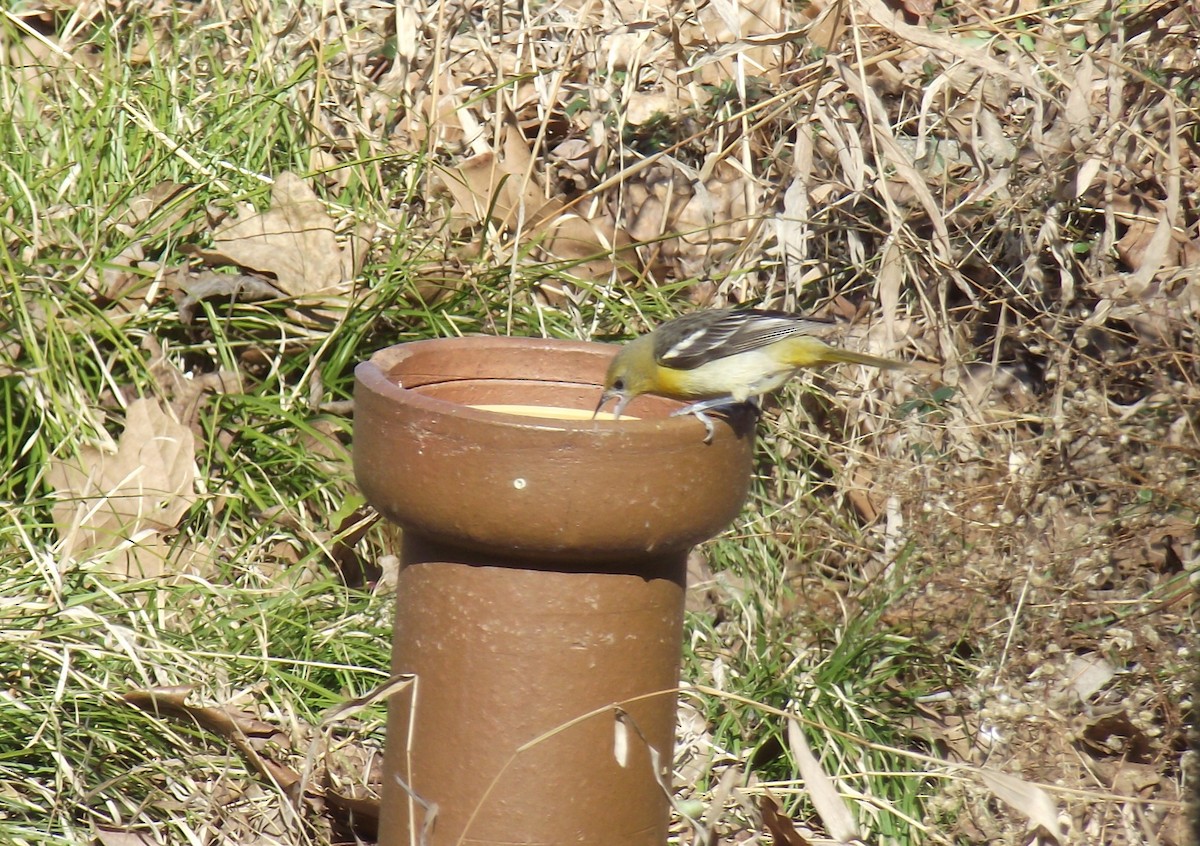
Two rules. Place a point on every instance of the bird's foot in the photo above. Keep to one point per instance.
(699, 411)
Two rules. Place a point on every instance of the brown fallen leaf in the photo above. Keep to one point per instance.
(157, 212)
(294, 241)
(238, 727)
(779, 825)
(864, 496)
(1115, 736)
(144, 219)
(194, 288)
(1026, 797)
(829, 804)
(118, 505)
(120, 837)
(354, 569)
(186, 391)
(118, 278)
(729, 35)
(1151, 244)
(500, 188)
(359, 816)
(919, 9)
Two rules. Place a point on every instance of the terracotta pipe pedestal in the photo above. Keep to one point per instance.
(542, 580)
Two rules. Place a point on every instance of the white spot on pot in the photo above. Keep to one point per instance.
(519, 484)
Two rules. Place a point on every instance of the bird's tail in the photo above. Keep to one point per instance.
(836, 354)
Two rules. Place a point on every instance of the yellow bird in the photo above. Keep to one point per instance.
(719, 358)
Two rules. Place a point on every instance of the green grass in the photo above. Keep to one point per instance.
(76, 748)
(853, 683)
(269, 622)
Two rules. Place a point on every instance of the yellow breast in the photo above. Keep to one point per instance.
(740, 376)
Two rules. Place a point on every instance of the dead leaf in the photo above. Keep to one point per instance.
(864, 494)
(360, 816)
(118, 837)
(186, 391)
(118, 278)
(208, 284)
(832, 809)
(354, 569)
(500, 189)
(145, 218)
(960, 48)
(1081, 96)
(714, 222)
(1027, 798)
(1115, 736)
(954, 736)
(828, 23)
(893, 153)
(294, 241)
(792, 226)
(1085, 675)
(125, 502)
(1087, 174)
(237, 727)
(778, 825)
(156, 212)
(745, 35)
(641, 107)
(920, 9)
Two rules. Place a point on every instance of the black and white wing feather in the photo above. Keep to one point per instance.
(690, 341)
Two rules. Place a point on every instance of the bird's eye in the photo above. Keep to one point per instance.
(618, 385)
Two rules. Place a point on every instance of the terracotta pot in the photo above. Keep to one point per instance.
(542, 580)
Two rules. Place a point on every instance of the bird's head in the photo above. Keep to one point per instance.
(630, 374)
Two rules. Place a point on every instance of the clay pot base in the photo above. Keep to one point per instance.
(542, 578)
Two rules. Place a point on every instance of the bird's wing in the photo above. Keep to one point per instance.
(695, 338)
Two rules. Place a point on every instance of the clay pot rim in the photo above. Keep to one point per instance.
(652, 412)
(605, 493)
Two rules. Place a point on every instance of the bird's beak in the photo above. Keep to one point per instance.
(609, 396)
(605, 397)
